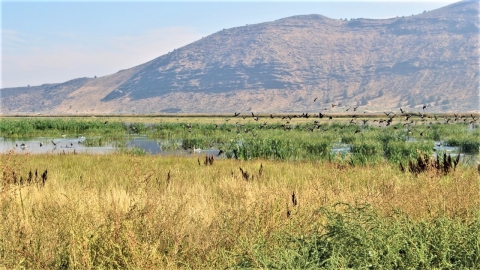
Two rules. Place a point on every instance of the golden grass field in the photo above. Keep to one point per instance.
(154, 212)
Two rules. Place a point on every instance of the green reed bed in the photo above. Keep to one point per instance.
(249, 139)
(469, 143)
(463, 135)
(368, 145)
(398, 151)
(14, 128)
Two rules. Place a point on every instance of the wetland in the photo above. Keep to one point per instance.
(234, 192)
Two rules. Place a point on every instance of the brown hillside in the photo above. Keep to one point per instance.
(428, 59)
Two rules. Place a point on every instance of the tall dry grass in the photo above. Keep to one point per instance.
(127, 211)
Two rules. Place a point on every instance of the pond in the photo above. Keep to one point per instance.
(46, 145)
(99, 145)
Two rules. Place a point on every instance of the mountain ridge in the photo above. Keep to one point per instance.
(283, 65)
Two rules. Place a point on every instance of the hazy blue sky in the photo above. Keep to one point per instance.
(52, 42)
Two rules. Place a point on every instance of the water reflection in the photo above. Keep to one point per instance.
(341, 148)
(44, 145)
(149, 146)
(99, 145)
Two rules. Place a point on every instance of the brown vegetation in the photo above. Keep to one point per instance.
(124, 211)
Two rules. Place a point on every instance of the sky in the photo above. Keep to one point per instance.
(53, 42)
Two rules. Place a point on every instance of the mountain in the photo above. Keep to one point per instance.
(427, 59)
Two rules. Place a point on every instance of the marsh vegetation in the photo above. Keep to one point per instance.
(366, 140)
(280, 196)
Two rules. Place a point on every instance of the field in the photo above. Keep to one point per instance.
(279, 199)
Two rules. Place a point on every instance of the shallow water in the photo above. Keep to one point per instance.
(341, 148)
(44, 145)
(47, 145)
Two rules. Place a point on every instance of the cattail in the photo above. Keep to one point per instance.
(411, 167)
(420, 164)
(245, 175)
(168, 177)
(426, 159)
(445, 164)
(208, 160)
(211, 160)
(30, 175)
(44, 177)
(437, 163)
(456, 161)
(294, 199)
(449, 161)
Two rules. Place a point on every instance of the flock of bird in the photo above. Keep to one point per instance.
(354, 119)
(407, 117)
(23, 146)
(408, 120)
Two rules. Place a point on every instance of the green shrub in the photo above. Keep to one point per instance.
(357, 237)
